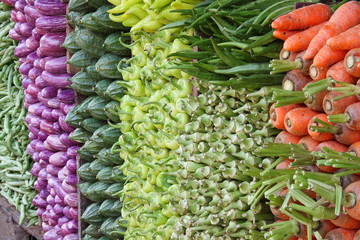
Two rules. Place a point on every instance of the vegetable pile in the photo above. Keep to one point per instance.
(96, 51)
(40, 29)
(315, 192)
(16, 182)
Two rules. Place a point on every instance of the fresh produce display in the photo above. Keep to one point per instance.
(313, 189)
(16, 182)
(96, 52)
(181, 119)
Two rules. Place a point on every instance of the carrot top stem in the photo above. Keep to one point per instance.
(286, 97)
(339, 118)
(326, 127)
(315, 87)
(280, 66)
(348, 90)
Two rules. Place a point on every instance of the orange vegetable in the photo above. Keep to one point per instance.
(297, 120)
(335, 146)
(277, 114)
(352, 63)
(287, 55)
(338, 72)
(284, 34)
(286, 137)
(309, 143)
(319, 136)
(345, 221)
(300, 41)
(347, 40)
(317, 73)
(328, 56)
(303, 18)
(295, 81)
(340, 234)
(332, 106)
(345, 17)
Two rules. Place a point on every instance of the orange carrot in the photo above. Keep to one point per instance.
(295, 81)
(315, 100)
(328, 56)
(357, 235)
(351, 117)
(309, 143)
(347, 40)
(335, 146)
(338, 72)
(345, 221)
(354, 211)
(287, 55)
(304, 63)
(332, 106)
(346, 135)
(340, 234)
(352, 62)
(303, 18)
(319, 136)
(355, 148)
(284, 34)
(277, 114)
(317, 73)
(345, 17)
(297, 120)
(286, 137)
(300, 41)
(325, 227)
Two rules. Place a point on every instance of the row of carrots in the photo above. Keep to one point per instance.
(318, 108)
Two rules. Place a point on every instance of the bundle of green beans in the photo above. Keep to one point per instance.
(16, 182)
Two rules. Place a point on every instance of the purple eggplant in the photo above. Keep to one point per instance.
(25, 29)
(56, 80)
(26, 81)
(49, 92)
(71, 165)
(25, 68)
(50, 44)
(64, 125)
(56, 65)
(31, 58)
(20, 17)
(15, 36)
(58, 159)
(32, 43)
(50, 7)
(21, 50)
(66, 95)
(36, 34)
(39, 81)
(50, 24)
(34, 73)
(20, 5)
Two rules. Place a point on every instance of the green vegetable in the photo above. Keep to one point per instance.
(82, 59)
(90, 42)
(106, 66)
(93, 231)
(83, 83)
(101, 87)
(110, 208)
(91, 215)
(112, 44)
(79, 6)
(102, 18)
(70, 43)
(85, 174)
(80, 135)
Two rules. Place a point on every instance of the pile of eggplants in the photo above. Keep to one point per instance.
(40, 30)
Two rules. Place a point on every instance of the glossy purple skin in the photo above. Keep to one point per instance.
(51, 23)
(69, 189)
(15, 36)
(39, 202)
(36, 168)
(25, 68)
(31, 58)
(50, 44)
(39, 81)
(32, 43)
(30, 99)
(45, 155)
(56, 65)
(26, 81)
(36, 34)
(58, 159)
(66, 95)
(33, 90)
(50, 7)
(21, 50)
(56, 80)
(20, 17)
(20, 5)
(34, 73)
(26, 30)
(71, 165)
